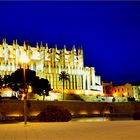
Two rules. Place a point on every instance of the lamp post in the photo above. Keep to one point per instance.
(24, 60)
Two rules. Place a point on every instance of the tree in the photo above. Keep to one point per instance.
(1, 82)
(41, 87)
(16, 81)
(6, 80)
(1, 85)
(63, 77)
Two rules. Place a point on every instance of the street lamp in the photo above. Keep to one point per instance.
(24, 60)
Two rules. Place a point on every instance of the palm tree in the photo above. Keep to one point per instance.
(1, 82)
(63, 77)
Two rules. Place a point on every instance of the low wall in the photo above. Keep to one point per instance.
(15, 107)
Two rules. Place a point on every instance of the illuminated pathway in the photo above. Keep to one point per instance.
(107, 130)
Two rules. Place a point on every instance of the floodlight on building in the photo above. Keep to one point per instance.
(24, 59)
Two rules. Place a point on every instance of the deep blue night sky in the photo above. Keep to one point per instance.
(109, 32)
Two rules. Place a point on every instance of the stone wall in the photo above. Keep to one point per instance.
(15, 107)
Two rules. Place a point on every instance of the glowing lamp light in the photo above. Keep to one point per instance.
(125, 94)
(95, 112)
(106, 112)
(24, 59)
(23, 96)
(83, 112)
(29, 89)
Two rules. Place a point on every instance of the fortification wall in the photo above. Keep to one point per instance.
(15, 107)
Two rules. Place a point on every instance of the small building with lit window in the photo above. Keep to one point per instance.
(122, 90)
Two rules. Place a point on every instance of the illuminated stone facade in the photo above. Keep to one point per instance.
(127, 90)
(49, 62)
(124, 90)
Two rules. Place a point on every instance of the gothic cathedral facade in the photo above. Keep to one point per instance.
(49, 63)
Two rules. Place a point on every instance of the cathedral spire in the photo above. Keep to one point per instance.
(16, 42)
(80, 50)
(47, 46)
(74, 49)
(37, 46)
(13, 42)
(25, 45)
(65, 47)
(55, 46)
(4, 41)
(41, 45)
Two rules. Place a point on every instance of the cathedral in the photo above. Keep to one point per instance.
(49, 63)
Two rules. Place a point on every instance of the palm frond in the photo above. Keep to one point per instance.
(64, 76)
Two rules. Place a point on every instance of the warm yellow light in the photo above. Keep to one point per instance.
(24, 59)
(106, 112)
(125, 94)
(115, 95)
(95, 112)
(29, 89)
(101, 94)
(23, 96)
(83, 112)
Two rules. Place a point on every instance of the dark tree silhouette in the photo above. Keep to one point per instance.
(1, 85)
(63, 77)
(42, 87)
(6, 80)
(16, 81)
(1, 82)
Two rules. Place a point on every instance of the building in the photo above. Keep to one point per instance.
(49, 62)
(136, 90)
(107, 88)
(123, 90)
(127, 90)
